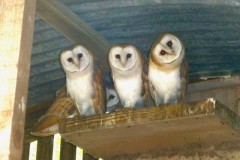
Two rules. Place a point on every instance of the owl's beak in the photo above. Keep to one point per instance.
(123, 63)
(77, 63)
(172, 52)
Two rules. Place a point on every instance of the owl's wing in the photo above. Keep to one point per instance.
(48, 123)
(61, 93)
(184, 80)
(145, 87)
(155, 98)
(99, 97)
(154, 95)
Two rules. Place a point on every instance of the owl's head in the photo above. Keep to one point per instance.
(112, 97)
(123, 57)
(167, 49)
(76, 59)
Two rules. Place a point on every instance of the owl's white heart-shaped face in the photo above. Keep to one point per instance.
(166, 49)
(75, 60)
(123, 57)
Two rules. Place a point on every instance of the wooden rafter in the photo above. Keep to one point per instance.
(72, 27)
(16, 33)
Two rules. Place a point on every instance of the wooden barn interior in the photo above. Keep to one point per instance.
(34, 32)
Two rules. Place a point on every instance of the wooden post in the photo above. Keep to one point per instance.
(16, 33)
(87, 156)
(68, 151)
(45, 148)
(26, 149)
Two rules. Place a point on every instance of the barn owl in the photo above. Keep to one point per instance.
(113, 101)
(84, 81)
(64, 107)
(168, 70)
(129, 76)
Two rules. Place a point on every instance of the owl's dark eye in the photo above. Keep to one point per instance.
(79, 56)
(70, 60)
(111, 96)
(162, 52)
(169, 43)
(117, 56)
(129, 55)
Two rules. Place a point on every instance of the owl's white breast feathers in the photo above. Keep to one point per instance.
(129, 90)
(166, 84)
(81, 90)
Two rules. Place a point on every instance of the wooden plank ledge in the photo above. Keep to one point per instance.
(224, 90)
(214, 84)
(153, 130)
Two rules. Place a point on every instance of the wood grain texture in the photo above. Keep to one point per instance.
(16, 34)
(152, 130)
(128, 117)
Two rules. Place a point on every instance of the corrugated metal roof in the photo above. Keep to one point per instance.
(46, 75)
(210, 31)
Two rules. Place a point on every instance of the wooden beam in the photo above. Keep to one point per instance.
(225, 90)
(213, 84)
(153, 130)
(72, 27)
(16, 33)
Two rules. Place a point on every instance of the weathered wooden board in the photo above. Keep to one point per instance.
(225, 90)
(16, 33)
(153, 130)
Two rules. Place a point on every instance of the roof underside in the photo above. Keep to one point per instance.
(209, 30)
